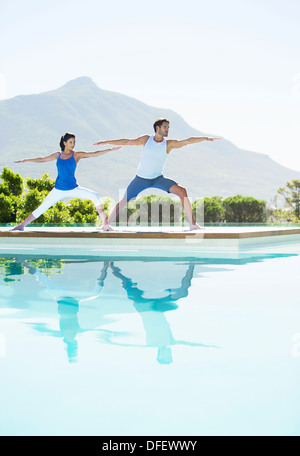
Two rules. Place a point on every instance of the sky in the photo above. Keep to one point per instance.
(229, 68)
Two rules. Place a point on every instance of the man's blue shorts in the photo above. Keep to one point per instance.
(140, 183)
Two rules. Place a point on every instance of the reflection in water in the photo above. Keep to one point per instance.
(88, 295)
(68, 308)
(68, 323)
(152, 311)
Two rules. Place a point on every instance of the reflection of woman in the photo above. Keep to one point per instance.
(66, 185)
(67, 306)
(81, 294)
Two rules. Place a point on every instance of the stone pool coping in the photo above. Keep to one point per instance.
(149, 233)
(212, 242)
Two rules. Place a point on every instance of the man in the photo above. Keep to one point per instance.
(150, 171)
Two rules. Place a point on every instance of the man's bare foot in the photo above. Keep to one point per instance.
(106, 228)
(18, 228)
(196, 227)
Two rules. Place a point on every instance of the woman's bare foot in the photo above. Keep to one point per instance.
(18, 228)
(25, 222)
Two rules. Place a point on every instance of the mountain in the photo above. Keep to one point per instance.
(31, 125)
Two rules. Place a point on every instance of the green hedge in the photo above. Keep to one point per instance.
(19, 197)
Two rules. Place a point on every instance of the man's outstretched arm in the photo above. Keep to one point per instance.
(140, 141)
(177, 144)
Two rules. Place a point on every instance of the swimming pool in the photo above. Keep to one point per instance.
(126, 345)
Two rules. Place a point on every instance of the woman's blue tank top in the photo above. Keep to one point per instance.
(66, 173)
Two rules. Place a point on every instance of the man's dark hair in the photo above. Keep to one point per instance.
(159, 122)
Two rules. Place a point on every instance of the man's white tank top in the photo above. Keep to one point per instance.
(154, 155)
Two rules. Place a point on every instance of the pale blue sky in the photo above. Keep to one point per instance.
(230, 68)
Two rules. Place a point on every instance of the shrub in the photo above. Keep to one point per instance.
(209, 210)
(7, 209)
(155, 210)
(42, 184)
(12, 182)
(240, 209)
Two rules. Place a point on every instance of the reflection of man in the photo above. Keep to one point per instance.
(157, 329)
(150, 171)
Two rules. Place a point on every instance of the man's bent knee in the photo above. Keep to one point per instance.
(179, 191)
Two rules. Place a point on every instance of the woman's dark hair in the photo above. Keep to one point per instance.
(65, 138)
(159, 122)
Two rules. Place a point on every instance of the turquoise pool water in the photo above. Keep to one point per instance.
(139, 346)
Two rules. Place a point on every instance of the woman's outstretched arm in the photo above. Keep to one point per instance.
(39, 159)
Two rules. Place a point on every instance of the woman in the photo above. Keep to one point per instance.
(66, 185)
